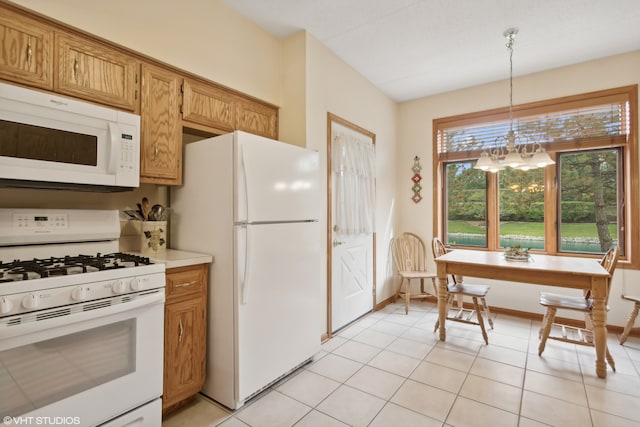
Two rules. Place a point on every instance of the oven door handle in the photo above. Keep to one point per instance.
(23, 329)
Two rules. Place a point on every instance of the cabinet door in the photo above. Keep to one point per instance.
(96, 72)
(184, 350)
(257, 118)
(161, 133)
(208, 105)
(25, 50)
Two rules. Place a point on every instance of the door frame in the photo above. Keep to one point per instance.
(332, 118)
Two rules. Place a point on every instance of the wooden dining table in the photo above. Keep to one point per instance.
(559, 271)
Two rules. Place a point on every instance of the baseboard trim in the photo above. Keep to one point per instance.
(524, 315)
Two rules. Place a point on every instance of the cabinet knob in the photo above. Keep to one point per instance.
(75, 68)
(186, 284)
(29, 52)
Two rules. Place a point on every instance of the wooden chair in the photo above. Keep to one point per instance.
(410, 262)
(632, 316)
(458, 290)
(584, 304)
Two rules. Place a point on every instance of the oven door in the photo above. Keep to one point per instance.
(83, 369)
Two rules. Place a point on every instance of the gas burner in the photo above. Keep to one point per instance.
(68, 265)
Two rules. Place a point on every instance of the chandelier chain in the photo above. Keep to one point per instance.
(513, 150)
(510, 41)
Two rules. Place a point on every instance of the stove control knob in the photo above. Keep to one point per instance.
(31, 301)
(79, 293)
(119, 287)
(136, 285)
(5, 305)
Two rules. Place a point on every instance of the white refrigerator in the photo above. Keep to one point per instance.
(254, 204)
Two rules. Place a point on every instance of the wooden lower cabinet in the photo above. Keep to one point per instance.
(184, 334)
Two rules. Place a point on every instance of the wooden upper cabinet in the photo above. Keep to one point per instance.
(208, 105)
(161, 130)
(257, 118)
(96, 72)
(26, 50)
(38, 52)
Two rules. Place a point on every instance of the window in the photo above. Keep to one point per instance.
(521, 208)
(580, 205)
(588, 201)
(466, 205)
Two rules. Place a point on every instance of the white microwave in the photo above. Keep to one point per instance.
(47, 141)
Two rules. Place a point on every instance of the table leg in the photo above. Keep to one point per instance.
(599, 310)
(442, 301)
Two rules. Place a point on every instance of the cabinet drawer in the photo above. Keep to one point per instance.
(186, 281)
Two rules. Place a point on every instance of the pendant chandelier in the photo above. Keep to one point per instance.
(512, 149)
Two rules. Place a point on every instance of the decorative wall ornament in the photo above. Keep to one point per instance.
(416, 178)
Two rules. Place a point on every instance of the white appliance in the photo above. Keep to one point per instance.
(254, 204)
(47, 141)
(81, 325)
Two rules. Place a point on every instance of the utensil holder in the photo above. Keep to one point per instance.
(153, 238)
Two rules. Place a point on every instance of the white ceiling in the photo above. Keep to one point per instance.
(414, 48)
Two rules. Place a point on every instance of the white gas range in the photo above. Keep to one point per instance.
(81, 324)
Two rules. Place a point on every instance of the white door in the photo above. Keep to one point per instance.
(351, 278)
(352, 281)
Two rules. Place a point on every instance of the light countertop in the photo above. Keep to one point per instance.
(173, 258)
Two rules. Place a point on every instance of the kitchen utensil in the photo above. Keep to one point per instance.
(133, 214)
(145, 208)
(158, 213)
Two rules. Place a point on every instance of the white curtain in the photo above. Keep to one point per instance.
(353, 167)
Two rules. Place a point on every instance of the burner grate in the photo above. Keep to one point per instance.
(62, 266)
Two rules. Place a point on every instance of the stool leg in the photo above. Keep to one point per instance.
(407, 296)
(487, 313)
(610, 360)
(480, 320)
(630, 322)
(546, 328)
(449, 304)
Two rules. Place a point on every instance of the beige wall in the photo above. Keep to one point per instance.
(293, 111)
(334, 87)
(415, 134)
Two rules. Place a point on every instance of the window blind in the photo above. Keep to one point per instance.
(587, 120)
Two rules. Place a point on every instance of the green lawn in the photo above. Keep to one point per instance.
(530, 229)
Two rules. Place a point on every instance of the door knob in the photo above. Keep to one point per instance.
(337, 242)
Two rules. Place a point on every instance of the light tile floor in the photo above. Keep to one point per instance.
(390, 369)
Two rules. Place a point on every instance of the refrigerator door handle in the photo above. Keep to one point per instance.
(246, 271)
(244, 216)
